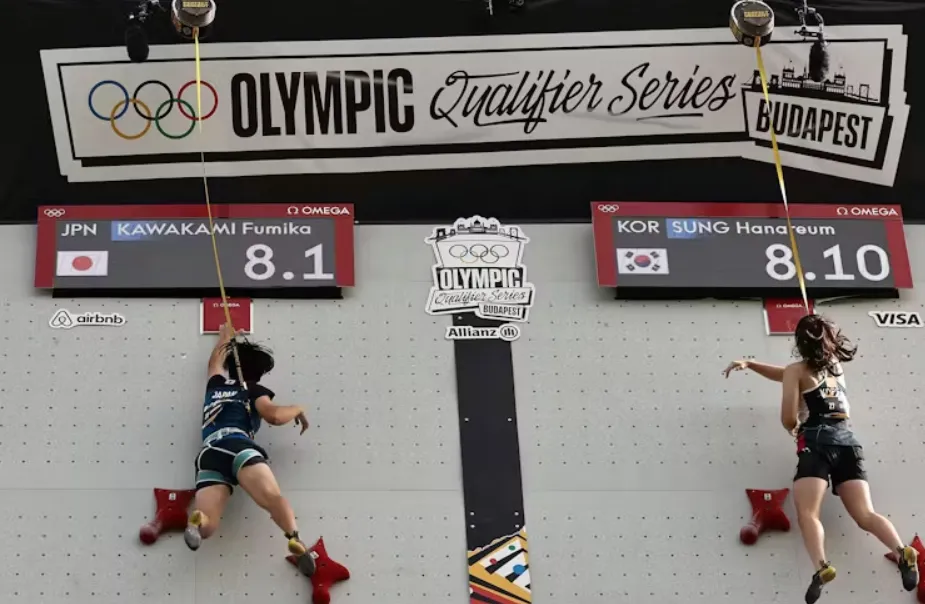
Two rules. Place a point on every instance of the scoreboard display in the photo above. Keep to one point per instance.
(264, 249)
(744, 249)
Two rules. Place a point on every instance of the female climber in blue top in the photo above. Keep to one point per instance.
(815, 410)
(231, 416)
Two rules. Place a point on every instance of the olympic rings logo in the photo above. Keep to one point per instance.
(478, 252)
(54, 212)
(609, 209)
(144, 110)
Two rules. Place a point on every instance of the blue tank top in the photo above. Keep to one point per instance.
(228, 404)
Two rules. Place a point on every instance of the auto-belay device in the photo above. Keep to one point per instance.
(188, 15)
(751, 22)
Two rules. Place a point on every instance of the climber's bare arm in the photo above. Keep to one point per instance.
(279, 415)
(220, 351)
(790, 397)
(775, 373)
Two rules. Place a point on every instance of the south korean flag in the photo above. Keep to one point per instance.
(640, 261)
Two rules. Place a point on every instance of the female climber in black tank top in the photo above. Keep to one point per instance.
(815, 410)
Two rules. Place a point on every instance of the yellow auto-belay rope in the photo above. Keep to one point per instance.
(205, 183)
(780, 176)
(777, 162)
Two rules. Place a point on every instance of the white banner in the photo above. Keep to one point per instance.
(383, 105)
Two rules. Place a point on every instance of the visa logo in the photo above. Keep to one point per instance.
(896, 318)
(135, 231)
(694, 228)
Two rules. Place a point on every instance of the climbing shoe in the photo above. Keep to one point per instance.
(296, 547)
(306, 564)
(192, 535)
(908, 567)
(820, 578)
(305, 559)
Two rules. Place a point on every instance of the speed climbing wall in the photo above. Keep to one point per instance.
(635, 452)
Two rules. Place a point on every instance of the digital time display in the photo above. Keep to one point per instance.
(261, 247)
(744, 249)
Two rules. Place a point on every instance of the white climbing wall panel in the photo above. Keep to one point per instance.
(635, 451)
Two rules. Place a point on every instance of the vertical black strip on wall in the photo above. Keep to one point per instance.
(491, 471)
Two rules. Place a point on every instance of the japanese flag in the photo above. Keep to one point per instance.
(639, 261)
(83, 264)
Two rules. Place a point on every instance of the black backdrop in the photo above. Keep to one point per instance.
(29, 175)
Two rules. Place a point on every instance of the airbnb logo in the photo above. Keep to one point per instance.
(65, 319)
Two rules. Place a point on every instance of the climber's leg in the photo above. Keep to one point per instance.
(258, 480)
(207, 513)
(214, 485)
(807, 497)
(809, 487)
(855, 495)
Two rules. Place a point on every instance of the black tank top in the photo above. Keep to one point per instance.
(826, 412)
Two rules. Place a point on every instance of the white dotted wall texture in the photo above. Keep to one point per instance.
(91, 419)
(636, 452)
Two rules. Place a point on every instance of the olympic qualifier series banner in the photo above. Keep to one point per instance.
(485, 101)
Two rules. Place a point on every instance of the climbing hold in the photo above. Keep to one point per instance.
(170, 515)
(148, 533)
(920, 548)
(327, 572)
(767, 514)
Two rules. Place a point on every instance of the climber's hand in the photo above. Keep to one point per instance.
(301, 421)
(735, 366)
(226, 333)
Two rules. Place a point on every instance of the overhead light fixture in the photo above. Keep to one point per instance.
(189, 15)
(819, 51)
(136, 35)
(512, 5)
(186, 16)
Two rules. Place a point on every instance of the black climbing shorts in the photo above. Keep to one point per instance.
(833, 463)
(219, 462)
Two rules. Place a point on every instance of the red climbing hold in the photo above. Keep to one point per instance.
(170, 515)
(327, 572)
(920, 548)
(767, 514)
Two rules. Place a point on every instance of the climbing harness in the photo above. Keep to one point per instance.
(223, 433)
